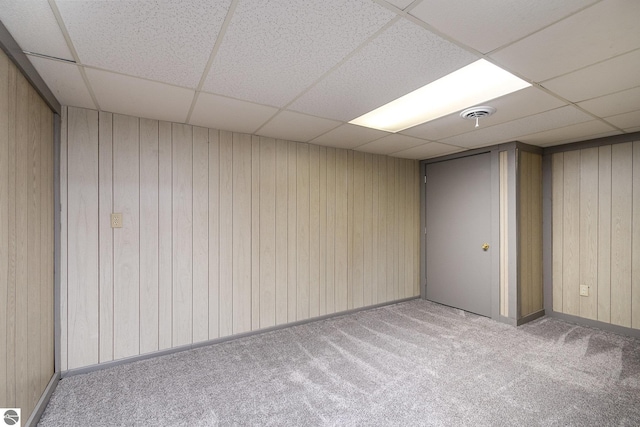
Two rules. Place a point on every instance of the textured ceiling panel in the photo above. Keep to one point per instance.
(164, 40)
(22, 18)
(294, 126)
(487, 25)
(391, 144)
(138, 97)
(607, 29)
(65, 81)
(606, 77)
(510, 131)
(273, 50)
(218, 112)
(400, 4)
(400, 60)
(569, 133)
(509, 107)
(427, 151)
(614, 104)
(349, 136)
(627, 121)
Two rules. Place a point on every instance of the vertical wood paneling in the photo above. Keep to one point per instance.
(241, 233)
(149, 156)
(621, 205)
(255, 232)
(635, 250)
(82, 249)
(557, 167)
(26, 241)
(33, 250)
(357, 243)
(214, 233)
(268, 229)
(536, 238)
(331, 229)
(373, 230)
(165, 243)
(200, 234)
(341, 241)
(22, 260)
(250, 232)
(322, 231)
(281, 230)
(314, 230)
(504, 240)
(126, 240)
(226, 233)
(64, 234)
(105, 237)
(4, 221)
(381, 227)
(182, 233)
(571, 237)
(292, 178)
(604, 234)
(589, 231)
(524, 259)
(302, 232)
(367, 231)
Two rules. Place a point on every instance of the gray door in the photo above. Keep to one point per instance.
(458, 225)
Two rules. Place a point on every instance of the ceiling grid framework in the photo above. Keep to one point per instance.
(302, 70)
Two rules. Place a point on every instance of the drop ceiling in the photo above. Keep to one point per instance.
(300, 70)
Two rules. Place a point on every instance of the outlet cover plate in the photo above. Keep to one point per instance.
(116, 220)
(584, 290)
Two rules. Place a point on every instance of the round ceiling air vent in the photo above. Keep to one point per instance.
(475, 113)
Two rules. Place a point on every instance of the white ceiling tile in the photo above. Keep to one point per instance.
(614, 104)
(139, 97)
(65, 81)
(273, 50)
(22, 19)
(391, 144)
(625, 121)
(607, 29)
(487, 25)
(572, 133)
(349, 136)
(510, 131)
(294, 126)
(428, 151)
(164, 40)
(509, 107)
(398, 61)
(400, 4)
(631, 130)
(219, 112)
(606, 77)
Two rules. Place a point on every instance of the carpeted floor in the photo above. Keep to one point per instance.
(409, 364)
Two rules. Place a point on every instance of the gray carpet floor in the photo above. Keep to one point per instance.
(409, 364)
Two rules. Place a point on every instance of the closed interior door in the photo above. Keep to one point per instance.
(458, 222)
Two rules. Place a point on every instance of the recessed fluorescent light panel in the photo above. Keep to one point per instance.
(476, 83)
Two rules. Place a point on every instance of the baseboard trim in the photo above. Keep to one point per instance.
(616, 329)
(531, 317)
(124, 361)
(34, 419)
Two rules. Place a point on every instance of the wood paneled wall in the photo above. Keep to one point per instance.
(223, 233)
(26, 241)
(530, 234)
(596, 233)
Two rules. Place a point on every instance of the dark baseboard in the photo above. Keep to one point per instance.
(620, 330)
(531, 317)
(34, 419)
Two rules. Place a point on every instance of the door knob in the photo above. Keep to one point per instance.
(485, 247)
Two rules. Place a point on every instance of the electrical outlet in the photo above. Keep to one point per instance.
(116, 220)
(584, 290)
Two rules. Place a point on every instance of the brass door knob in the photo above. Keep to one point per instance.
(485, 247)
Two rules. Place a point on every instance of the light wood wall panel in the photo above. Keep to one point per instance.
(595, 200)
(530, 234)
(251, 232)
(26, 241)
